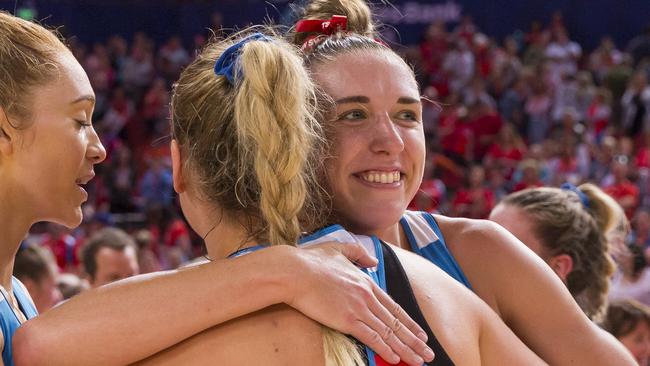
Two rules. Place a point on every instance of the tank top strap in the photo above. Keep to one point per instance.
(426, 239)
(24, 300)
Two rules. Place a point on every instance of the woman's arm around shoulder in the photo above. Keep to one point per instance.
(78, 331)
(528, 295)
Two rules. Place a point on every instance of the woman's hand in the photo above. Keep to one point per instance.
(327, 287)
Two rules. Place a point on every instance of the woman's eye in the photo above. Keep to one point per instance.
(352, 115)
(83, 123)
(407, 115)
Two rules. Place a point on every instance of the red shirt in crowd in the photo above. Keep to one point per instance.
(65, 249)
(485, 129)
(429, 197)
(475, 204)
(623, 193)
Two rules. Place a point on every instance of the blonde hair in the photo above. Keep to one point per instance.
(28, 57)
(564, 225)
(251, 147)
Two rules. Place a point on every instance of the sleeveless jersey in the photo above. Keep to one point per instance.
(9, 320)
(425, 238)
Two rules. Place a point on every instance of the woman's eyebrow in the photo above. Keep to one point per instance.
(84, 98)
(354, 99)
(408, 100)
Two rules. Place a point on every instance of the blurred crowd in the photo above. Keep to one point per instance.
(534, 109)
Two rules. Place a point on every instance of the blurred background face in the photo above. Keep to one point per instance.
(519, 224)
(377, 138)
(114, 265)
(638, 342)
(44, 292)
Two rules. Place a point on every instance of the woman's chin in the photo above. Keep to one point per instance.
(71, 220)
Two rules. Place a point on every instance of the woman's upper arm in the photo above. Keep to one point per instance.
(499, 345)
(530, 297)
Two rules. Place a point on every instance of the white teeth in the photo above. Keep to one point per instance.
(381, 177)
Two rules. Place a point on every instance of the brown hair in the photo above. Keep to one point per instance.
(28, 57)
(623, 316)
(34, 263)
(565, 226)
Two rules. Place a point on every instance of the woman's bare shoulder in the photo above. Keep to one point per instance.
(496, 263)
(278, 335)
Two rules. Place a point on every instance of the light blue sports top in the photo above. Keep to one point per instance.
(425, 238)
(9, 319)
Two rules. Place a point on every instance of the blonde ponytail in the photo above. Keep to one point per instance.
(276, 130)
(340, 350)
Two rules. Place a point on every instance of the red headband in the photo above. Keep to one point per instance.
(327, 27)
(335, 24)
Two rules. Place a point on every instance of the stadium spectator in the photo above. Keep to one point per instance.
(109, 256)
(36, 269)
(629, 322)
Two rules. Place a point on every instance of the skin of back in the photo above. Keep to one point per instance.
(277, 335)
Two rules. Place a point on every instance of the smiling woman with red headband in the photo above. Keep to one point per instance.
(375, 169)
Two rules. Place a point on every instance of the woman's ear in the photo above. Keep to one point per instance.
(6, 134)
(177, 168)
(561, 264)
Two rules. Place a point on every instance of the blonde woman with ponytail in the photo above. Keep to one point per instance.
(568, 228)
(240, 153)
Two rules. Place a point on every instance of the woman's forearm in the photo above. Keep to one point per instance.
(132, 319)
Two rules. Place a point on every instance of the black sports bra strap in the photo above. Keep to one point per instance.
(399, 288)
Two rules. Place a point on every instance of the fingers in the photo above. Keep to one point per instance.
(372, 339)
(399, 331)
(397, 312)
(357, 253)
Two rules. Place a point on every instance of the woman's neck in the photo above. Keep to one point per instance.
(393, 234)
(226, 238)
(14, 226)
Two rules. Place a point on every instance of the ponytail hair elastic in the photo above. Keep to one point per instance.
(227, 62)
(576, 190)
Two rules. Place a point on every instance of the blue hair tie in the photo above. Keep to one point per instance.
(576, 190)
(227, 62)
